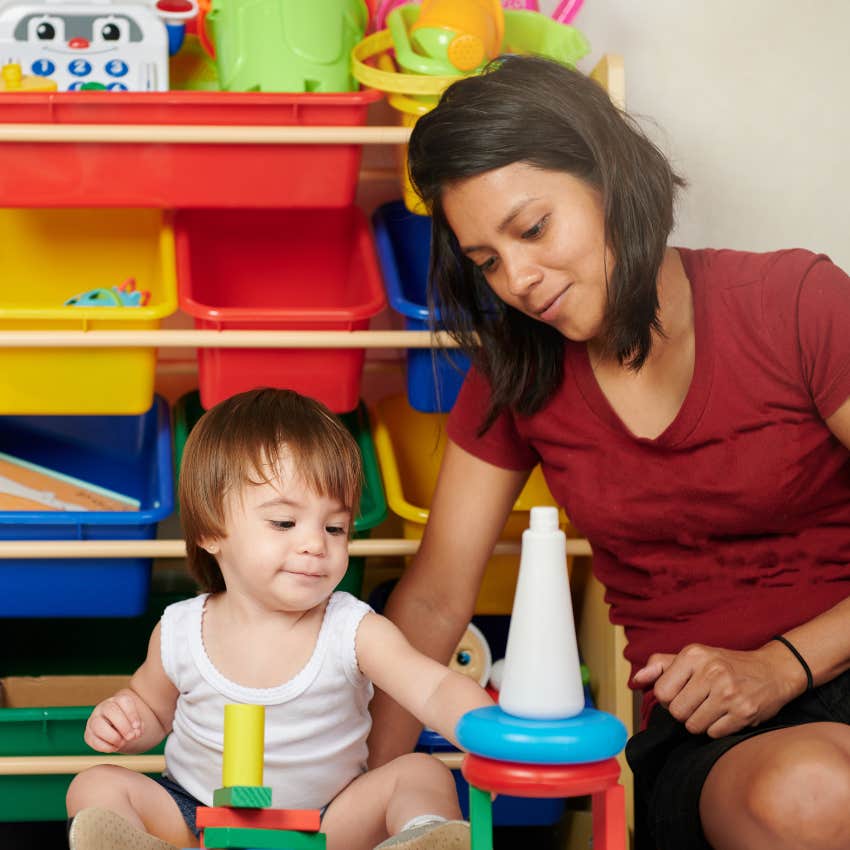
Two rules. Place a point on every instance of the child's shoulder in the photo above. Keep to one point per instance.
(343, 604)
(183, 614)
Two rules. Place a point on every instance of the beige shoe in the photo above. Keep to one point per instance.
(446, 835)
(101, 829)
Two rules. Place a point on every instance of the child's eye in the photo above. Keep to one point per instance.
(537, 229)
(283, 524)
(335, 529)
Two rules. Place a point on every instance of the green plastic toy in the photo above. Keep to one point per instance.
(286, 45)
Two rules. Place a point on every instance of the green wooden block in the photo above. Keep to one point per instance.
(263, 839)
(243, 797)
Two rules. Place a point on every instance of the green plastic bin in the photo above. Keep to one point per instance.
(63, 649)
(373, 502)
(46, 730)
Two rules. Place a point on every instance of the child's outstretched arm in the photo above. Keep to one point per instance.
(433, 693)
(139, 716)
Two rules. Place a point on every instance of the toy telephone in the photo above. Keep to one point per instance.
(120, 46)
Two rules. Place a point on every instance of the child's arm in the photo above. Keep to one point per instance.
(139, 716)
(430, 691)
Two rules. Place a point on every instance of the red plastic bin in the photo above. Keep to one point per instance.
(157, 174)
(279, 270)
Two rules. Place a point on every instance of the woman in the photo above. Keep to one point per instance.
(691, 412)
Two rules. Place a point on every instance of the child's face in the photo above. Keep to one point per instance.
(286, 546)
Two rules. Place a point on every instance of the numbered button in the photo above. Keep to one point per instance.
(117, 87)
(76, 85)
(79, 68)
(43, 67)
(116, 68)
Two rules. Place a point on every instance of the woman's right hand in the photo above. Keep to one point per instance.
(114, 723)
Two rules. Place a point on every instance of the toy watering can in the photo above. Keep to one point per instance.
(284, 45)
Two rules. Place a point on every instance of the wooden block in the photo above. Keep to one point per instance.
(243, 797)
(301, 820)
(262, 839)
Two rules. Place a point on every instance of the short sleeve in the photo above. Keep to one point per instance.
(502, 445)
(823, 321)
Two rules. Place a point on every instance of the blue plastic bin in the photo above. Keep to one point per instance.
(128, 454)
(403, 242)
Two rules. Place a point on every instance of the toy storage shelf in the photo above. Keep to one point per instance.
(36, 129)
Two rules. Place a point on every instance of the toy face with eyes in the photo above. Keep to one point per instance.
(74, 33)
(116, 46)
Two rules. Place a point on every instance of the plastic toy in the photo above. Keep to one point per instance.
(563, 14)
(542, 684)
(388, 60)
(13, 79)
(123, 46)
(472, 655)
(284, 45)
(123, 295)
(450, 36)
(540, 740)
(241, 815)
(244, 731)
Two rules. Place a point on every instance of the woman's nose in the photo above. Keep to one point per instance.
(521, 276)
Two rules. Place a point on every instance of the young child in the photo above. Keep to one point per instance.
(269, 487)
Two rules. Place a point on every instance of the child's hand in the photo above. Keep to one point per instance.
(113, 724)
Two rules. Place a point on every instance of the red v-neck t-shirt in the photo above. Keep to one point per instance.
(732, 525)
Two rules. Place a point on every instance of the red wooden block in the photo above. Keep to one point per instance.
(300, 820)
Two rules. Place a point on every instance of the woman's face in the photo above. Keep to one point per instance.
(538, 238)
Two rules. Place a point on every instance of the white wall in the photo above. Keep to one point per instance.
(751, 100)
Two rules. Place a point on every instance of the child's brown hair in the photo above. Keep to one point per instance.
(237, 441)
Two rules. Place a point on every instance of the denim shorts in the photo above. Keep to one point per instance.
(671, 765)
(185, 801)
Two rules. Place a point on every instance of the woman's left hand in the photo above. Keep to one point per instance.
(720, 691)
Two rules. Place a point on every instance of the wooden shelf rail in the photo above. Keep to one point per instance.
(224, 339)
(198, 134)
(31, 549)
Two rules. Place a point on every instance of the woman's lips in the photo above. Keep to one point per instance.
(550, 311)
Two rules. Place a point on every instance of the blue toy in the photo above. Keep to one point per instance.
(123, 295)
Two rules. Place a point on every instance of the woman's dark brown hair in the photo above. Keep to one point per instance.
(533, 110)
(238, 443)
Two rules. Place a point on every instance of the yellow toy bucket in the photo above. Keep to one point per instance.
(411, 95)
(410, 446)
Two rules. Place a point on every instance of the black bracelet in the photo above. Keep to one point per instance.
(809, 680)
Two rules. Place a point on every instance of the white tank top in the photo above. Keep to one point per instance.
(316, 723)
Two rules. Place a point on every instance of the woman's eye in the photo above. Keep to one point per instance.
(534, 232)
(286, 523)
(488, 265)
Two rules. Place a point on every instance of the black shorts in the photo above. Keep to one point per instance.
(671, 765)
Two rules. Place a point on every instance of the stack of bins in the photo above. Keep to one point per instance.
(285, 269)
(403, 240)
(46, 183)
(373, 504)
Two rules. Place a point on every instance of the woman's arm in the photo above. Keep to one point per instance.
(430, 691)
(720, 691)
(435, 597)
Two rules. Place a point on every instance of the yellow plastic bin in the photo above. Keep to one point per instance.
(50, 255)
(410, 446)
